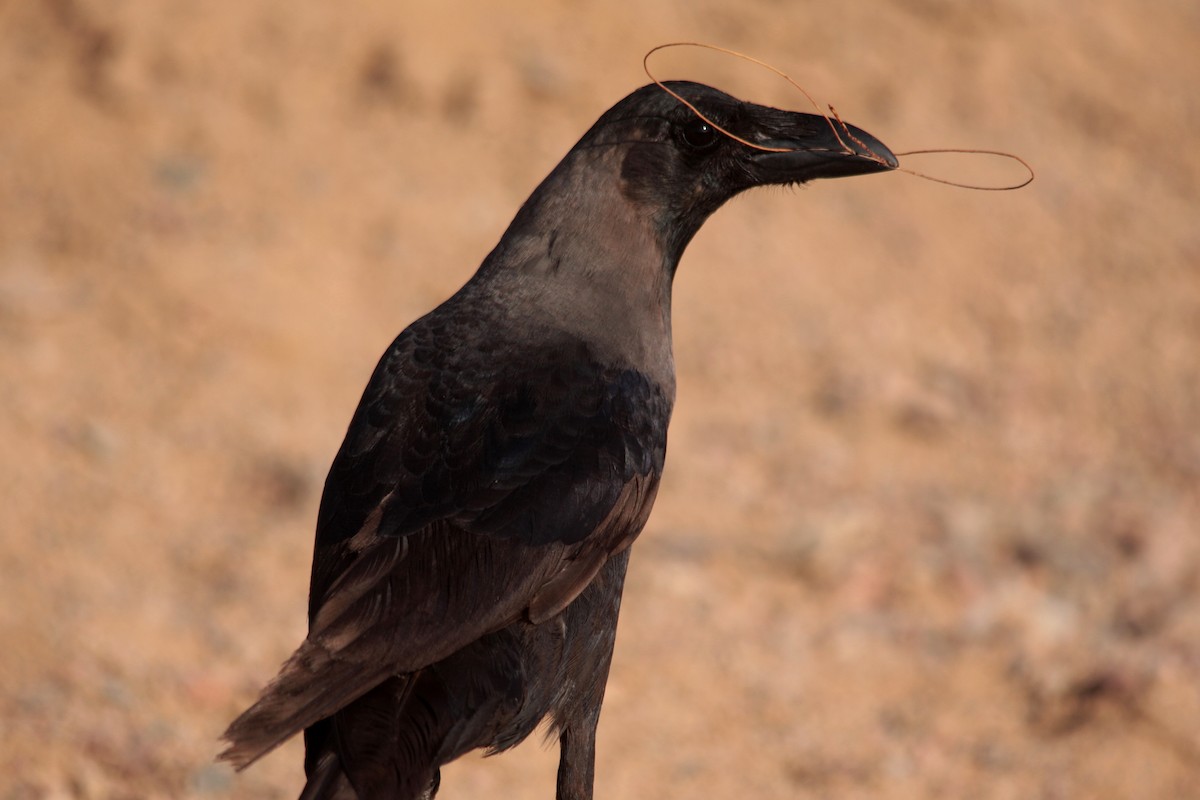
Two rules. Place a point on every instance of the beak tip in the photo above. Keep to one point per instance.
(867, 147)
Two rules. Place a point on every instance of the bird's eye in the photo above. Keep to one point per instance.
(699, 135)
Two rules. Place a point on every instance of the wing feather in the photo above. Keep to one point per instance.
(470, 490)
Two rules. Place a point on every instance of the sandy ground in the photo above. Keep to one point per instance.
(931, 519)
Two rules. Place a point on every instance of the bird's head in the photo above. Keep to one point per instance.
(682, 168)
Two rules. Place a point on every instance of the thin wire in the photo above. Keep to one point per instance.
(999, 153)
(838, 129)
(752, 60)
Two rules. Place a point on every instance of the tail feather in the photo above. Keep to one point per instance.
(311, 685)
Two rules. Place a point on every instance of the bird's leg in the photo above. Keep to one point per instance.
(577, 759)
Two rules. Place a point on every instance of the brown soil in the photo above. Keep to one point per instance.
(931, 521)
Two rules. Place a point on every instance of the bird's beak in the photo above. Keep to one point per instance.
(819, 147)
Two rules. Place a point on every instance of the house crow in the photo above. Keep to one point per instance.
(475, 527)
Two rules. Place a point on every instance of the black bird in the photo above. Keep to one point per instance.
(475, 526)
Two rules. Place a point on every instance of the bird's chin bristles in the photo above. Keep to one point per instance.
(785, 188)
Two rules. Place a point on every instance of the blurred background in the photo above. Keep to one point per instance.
(931, 519)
